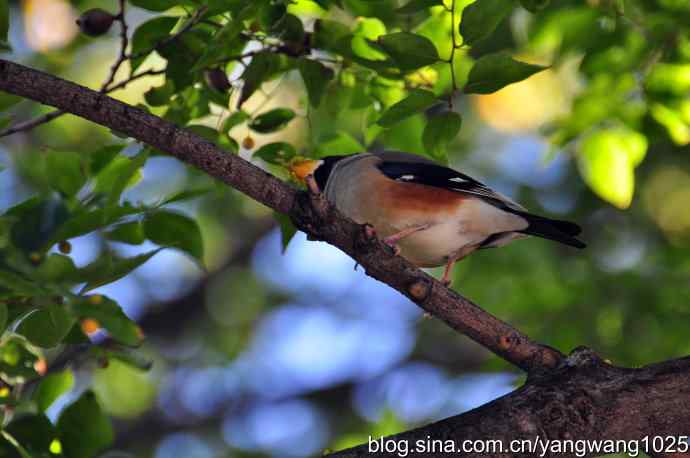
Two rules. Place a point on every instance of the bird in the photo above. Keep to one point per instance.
(430, 214)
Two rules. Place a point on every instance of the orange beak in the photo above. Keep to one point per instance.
(301, 169)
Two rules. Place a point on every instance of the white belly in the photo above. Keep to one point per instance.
(473, 223)
(432, 247)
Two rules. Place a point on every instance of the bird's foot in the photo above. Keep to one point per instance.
(312, 186)
(393, 244)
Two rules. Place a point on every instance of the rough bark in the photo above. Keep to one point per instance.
(585, 399)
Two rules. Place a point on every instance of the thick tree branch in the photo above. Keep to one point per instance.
(311, 214)
(586, 399)
(46, 118)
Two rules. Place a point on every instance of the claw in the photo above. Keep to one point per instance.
(393, 245)
(312, 186)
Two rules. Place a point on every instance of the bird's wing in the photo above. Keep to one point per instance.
(431, 174)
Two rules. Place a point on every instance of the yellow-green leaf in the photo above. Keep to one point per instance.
(607, 160)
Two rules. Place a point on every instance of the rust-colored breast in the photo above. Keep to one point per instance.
(414, 197)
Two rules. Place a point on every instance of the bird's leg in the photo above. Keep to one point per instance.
(446, 273)
(392, 240)
(312, 186)
(464, 251)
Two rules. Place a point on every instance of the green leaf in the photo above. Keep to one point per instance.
(131, 233)
(16, 360)
(332, 36)
(534, 6)
(85, 222)
(4, 22)
(340, 143)
(33, 432)
(668, 78)
(278, 153)
(408, 50)
(46, 327)
(233, 120)
(316, 77)
(259, 70)
(676, 127)
(480, 19)
(417, 101)
(118, 175)
(8, 100)
(51, 387)
(18, 284)
(225, 37)
(439, 133)
(40, 218)
(110, 317)
(109, 268)
(84, 429)
(171, 229)
(206, 132)
(368, 29)
(272, 120)
(495, 71)
(103, 156)
(3, 317)
(287, 229)
(160, 95)
(148, 35)
(289, 29)
(187, 195)
(415, 6)
(55, 268)
(155, 5)
(64, 172)
(132, 358)
(607, 161)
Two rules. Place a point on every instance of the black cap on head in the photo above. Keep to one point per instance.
(322, 173)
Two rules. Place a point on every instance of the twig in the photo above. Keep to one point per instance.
(124, 41)
(451, 59)
(30, 124)
(68, 356)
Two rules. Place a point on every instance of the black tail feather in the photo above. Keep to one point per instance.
(553, 229)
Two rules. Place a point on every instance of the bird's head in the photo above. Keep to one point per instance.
(320, 168)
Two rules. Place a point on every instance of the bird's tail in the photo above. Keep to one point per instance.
(552, 229)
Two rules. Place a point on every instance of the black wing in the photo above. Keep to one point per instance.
(431, 174)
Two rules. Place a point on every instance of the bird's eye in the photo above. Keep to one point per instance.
(406, 177)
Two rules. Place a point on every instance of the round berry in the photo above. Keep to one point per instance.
(95, 22)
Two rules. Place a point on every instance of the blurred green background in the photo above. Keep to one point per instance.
(261, 353)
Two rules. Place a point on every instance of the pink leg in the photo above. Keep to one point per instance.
(455, 258)
(311, 185)
(446, 273)
(392, 240)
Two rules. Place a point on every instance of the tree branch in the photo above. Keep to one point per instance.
(46, 118)
(124, 41)
(310, 213)
(586, 399)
